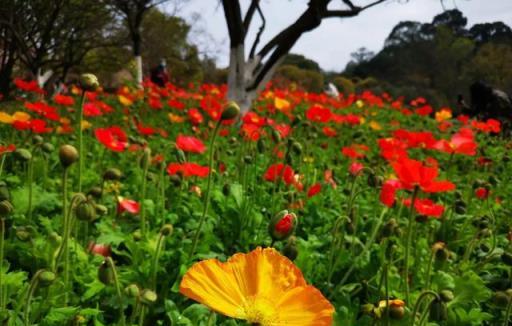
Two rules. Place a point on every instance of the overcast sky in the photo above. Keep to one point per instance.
(331, 43)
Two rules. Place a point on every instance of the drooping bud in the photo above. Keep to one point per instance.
(231, 111)
(438, 311)
(132, 290)
(67, 155)
(23, 154)
(37, 139)
(4, 191)
(248, 159)
(89, 82)
(446, 295)
(47, 147)
(180, 156)
(46, 278)
(24, 233)
(296, 147)
(6, 208)
(276, 136)
(440, 251)
(501, 298)
(112, 174)
(290, 250)
(101, 210)
(148, 297)
(95, 192)
(106, 274)
(506, 258)
(260, 145)
(85, 211)
(166, 230)
(282, 225)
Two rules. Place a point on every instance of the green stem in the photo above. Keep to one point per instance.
(80, 141)
(2, 236)
(30, 177)
(142, 315)
(363, 252)
(147, 157)
(208, 190)
(110, 262)
(159, 246)
(31, 290)
(162, 191)
(2, 163)
(507, 313)
(429, 270)
(386, 287)
(408, 244)
(423, 295)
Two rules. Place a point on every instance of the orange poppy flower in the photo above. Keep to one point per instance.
(261, 287)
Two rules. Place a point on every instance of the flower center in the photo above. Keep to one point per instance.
(260, 311)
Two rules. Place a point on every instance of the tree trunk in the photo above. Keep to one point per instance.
(242, 75)
(136, 38)
(5, 79)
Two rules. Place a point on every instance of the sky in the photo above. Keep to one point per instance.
(331, 44)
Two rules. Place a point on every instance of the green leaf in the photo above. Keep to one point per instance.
(59, 316)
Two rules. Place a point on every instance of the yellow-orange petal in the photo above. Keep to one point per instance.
(209, 282)
(265, 272)
(6, 118)
(21, 116)
(304, 306)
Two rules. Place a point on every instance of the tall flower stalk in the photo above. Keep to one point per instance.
(230, 112)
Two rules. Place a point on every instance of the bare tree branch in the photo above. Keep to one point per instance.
(260, 31)
(250, 13)
(233, 15)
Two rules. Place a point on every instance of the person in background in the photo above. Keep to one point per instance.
(159, 75)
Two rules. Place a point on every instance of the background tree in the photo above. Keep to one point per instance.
(250, 68)
(439, 59)
(133, 13)
(49, 37)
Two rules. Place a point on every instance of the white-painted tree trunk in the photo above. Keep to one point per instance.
(42, 78)
(242, 75)
(138, 70)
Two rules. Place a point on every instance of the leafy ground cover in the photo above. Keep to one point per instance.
(379, 202)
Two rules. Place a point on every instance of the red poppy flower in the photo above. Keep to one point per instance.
(43, 109)
(354, 151)
(283, 129)
(426, 207)
(280, 171)
(329, 132)
(355, 168)
(253, 118)
(99, 249)
(392, 149)
(154, 103)
(188, 170)
(7, 149)
(318, 113)
(28, 86)
(462, 142)
(195, 116)
(114, 138)
(412, 173)
(285, 224)
(315, 189)
(91, 110)
(190, 144)
(127, 205)
(482, 193)
(424, 110)
(388, 192)
(422, 139)
(63, 100)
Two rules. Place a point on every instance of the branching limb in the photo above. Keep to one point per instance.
(255, 5)
(260, 31)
